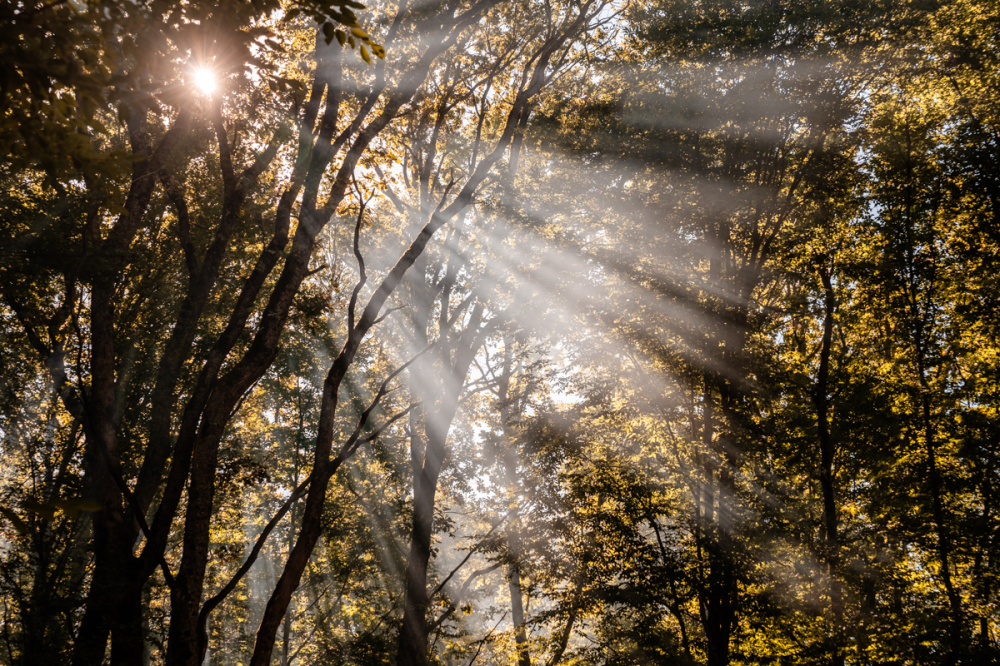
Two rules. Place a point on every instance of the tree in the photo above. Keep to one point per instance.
(154, 418)
(532, 332)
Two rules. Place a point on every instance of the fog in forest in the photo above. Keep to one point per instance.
(499, 332)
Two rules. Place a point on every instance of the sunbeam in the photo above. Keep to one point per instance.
(564, 332)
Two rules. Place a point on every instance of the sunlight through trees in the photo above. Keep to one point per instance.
(499, 332)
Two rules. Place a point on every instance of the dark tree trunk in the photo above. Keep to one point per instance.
(827, 451)
(720, 596)
(717, 591)
(922, 327)
(944, 542)
(114, 607)
(413, 648)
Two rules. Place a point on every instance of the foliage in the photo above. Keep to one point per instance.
(575, 332)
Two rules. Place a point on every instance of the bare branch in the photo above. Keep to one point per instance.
(219, 597)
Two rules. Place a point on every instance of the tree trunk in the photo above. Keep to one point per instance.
(720, 594)
(412, 648)
(935, 486)
(507, 404)
(944, 545)
(717, 591)
(827, 450)
(517, 616)
(114, 603)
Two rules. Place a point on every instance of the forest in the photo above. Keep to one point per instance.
(500, 332)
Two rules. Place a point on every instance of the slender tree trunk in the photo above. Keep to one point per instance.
(717, 589)
(935, 485)
(982, 561)
(944, 544)
(827, 450)
(517, 616)
(721, 595)
(286, 634)
(185, 644)
(507, 404)
(718, 609)
(413, 648)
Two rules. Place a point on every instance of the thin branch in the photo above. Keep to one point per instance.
(461, 593)
(355, 440)
(486, 638)
(225, 154)
(116, 474)
(212, 603)
(471, 552)
(176, 197)
(362, 275)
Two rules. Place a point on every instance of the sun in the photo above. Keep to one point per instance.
(204, 79)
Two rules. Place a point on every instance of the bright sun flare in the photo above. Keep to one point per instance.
(204, 79)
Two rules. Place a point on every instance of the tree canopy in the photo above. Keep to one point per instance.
(499, 332)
